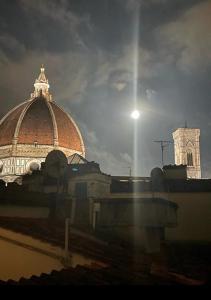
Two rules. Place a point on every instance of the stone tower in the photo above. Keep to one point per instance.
(187, 150)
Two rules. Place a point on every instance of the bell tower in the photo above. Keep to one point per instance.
(187, 150)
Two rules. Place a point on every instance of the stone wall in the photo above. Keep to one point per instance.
(187, 140)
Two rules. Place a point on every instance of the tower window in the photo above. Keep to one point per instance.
(189, 159)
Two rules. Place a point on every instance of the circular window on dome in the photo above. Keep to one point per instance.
(34, 166)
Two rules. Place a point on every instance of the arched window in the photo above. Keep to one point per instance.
(189, 159)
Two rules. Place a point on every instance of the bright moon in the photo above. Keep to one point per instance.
(135, 114)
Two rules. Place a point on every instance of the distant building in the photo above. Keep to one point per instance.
(178, 207)
(32, 129)
(139, 209)
(187, 150)
(145, 207)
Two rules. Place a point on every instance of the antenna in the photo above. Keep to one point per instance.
(130, 171)
(163, 144)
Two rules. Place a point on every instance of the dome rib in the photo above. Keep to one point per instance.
(55, 128)
(8, 124)
(74, 138)
(42, 122)
(11, 111)
(20, 120)
(78, 131)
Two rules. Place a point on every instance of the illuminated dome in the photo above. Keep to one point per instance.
(40, 122)
(32, 129)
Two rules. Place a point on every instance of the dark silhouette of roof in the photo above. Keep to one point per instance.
(115, 264)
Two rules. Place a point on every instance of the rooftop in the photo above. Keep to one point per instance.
(122, 263)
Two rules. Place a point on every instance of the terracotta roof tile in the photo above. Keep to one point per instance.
(38, 126)
(67, 132)
(7, 128)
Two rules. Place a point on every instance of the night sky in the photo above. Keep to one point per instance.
(87, 48)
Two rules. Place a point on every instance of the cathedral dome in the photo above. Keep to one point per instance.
(34, 128)
(40, 122)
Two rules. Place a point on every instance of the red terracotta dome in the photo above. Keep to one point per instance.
(40, 121)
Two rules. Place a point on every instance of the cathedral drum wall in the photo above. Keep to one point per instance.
(5, 151)
(40, 150)
(24, 156)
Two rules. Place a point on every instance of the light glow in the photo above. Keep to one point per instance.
(135, 114)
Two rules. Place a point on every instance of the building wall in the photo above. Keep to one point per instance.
(149, 212)
(194, 209)
(98, 184)
(193, 214)
(194, 217)
(140, 221)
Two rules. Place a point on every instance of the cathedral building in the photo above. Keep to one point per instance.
(32, 129)
(187, 150)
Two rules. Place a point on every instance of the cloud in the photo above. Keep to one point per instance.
(89, 135)
(74, 70)
(119, 79)
(128, 61)
(126, 158)
(109, 163)
(118, 70)
(11, 48)
(117, 164)
(133, 5)
(59, 13)
(188, 39)
(150, 94)
(71, 75)
(67, 74)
